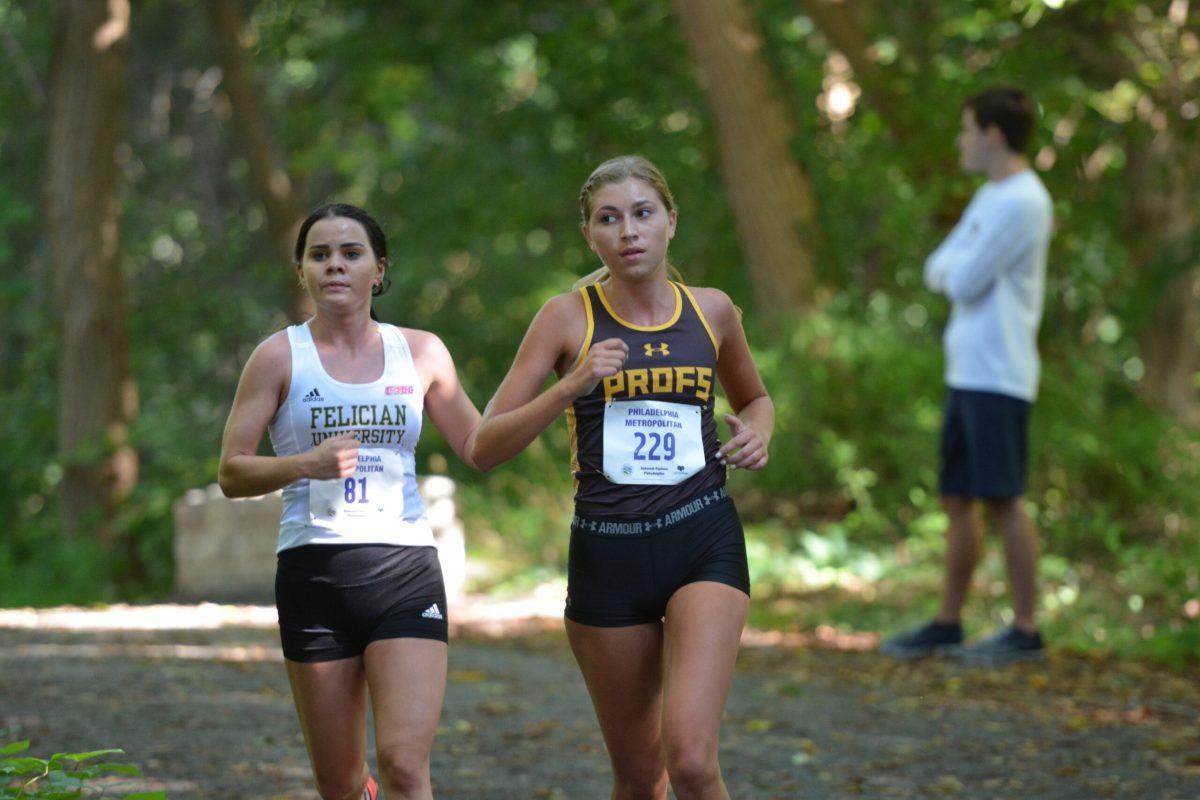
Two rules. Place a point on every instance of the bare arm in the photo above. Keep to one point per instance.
(753, 421)
(261, 390)
(518, 413)
(446, 402)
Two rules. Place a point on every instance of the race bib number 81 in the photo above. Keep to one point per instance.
(652, 442)
(372, 496)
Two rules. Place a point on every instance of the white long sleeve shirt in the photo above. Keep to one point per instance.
(992, 266)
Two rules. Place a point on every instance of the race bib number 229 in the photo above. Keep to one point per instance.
(652, 442)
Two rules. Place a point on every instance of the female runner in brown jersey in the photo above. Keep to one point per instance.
(658, 586)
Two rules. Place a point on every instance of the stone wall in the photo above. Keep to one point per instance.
(225, 549)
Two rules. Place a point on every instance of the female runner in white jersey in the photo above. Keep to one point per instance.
(658, 586)
(358, 586)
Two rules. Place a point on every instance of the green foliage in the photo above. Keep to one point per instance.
(850, 500)
(63, 776)
(469, 142)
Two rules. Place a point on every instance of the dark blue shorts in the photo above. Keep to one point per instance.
(985, 445)
(334, 600)
(623, 571)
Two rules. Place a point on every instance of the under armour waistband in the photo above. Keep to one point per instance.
(600, 526)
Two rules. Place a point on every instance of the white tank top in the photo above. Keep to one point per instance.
(380, 503)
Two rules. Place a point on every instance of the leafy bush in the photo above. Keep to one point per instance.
(64, 776)
(858, 391)
(470, 154)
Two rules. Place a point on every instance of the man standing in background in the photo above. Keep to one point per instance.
(992, 267)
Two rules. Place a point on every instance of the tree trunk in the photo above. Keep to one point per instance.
(773, 203)
(1162, 194)
(97, 399)
(1171, 352)
(269, 180)
(1160, 226)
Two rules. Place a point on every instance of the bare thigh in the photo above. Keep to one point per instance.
(622, 668)
(407, 677)
(703, 630)
(331, 702)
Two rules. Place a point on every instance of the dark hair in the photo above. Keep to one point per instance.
(1009, 109)
(375, 235)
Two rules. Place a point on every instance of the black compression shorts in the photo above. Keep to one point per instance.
(623, 571)
(334, 600)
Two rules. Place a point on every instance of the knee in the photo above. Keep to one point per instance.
(403, 769)
(693, 767)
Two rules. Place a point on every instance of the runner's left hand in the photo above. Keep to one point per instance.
(745, 447)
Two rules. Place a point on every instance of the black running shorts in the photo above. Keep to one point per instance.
(334, 600)
(623, 571)
(985, 445)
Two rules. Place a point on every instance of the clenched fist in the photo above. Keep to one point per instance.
(336, 457)
(603, 360)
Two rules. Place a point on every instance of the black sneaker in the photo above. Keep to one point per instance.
(1006, 647)
(933, 638)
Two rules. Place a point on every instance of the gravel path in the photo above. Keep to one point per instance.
(206, 713)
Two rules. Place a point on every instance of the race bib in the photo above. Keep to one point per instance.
(652, 442)
(372, 496)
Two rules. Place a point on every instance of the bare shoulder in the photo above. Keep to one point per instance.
(268, 371)
(272, 356)
(418, 338)
(716, 306)
(562, 320)
(426, 346)
(562, 308)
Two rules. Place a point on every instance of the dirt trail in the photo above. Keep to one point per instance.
(206, 713)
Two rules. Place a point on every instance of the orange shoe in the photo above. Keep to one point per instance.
(372, 789)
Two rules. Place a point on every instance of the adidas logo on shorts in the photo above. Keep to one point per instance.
(432, 612)
(312, 397)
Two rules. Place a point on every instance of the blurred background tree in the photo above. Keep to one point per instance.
(809, 144)
(97, 397)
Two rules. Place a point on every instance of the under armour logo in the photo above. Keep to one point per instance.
(661, 349)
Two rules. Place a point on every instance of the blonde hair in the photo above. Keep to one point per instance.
(616, 170)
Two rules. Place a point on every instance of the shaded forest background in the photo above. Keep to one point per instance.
(157, 156)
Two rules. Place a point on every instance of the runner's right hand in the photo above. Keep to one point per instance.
(336, 457)
(603, 360)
